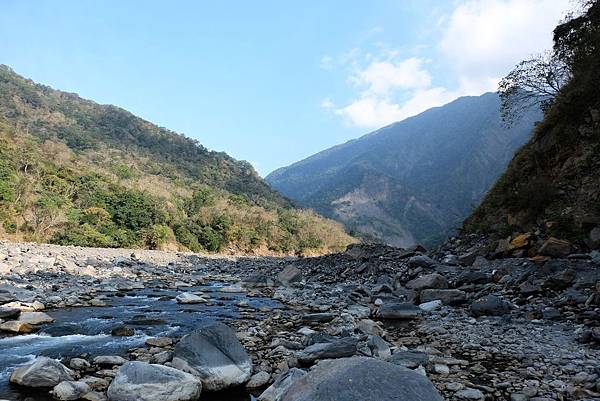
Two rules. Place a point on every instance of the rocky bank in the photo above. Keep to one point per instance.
(372, 323)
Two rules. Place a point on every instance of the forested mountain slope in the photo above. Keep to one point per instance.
(76, 172)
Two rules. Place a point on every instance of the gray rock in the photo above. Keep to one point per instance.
(34, 318)
(289, 275)
(43, 372)
(258, 380)
(399, 311)
(490, 305)
(79, 364)
(341, 348)
(189, 298)
(448, 297)
(469, 394)
(555, 248)
(140, 381)
(359, 378)
(433, 280)
(213, 353)
(281, 384)
(70, 390)
(109, 360)
(420, 261)
(409, 359)
(8, 313)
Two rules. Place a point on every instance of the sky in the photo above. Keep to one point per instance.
(273, 82)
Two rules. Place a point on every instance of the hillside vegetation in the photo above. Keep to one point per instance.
(74, 172)
(414, 181)
(553, 183)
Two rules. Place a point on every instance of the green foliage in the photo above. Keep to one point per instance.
(169, 184)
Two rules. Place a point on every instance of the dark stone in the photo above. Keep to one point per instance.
(409, 359)
(399, 311)
(122, 331)
(337, 349)
(448, 297)
(490, 305)
(318, 317)
(359, 378)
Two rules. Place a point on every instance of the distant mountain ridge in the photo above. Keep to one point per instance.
(76, 172)
(413, 181)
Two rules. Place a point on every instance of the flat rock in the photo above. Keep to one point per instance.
(281, 384)
(341, 348)
(447, 296)
(189, 298)
(70, 390)
(433, 280)
(15, 326)
(140, 381)
(34, 318)
(490, 305)
(403, 311)
(109, 360)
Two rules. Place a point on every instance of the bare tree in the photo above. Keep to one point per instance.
(532, 83)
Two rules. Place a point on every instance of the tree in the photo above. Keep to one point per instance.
(532, 83)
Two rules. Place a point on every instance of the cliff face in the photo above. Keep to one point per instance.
(413, 181)
(552, 185)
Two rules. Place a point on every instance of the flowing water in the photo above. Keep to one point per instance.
(151, 312)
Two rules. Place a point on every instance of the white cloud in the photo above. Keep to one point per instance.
(383, 76)
(326, 62)
(483, 39)
(480, 41)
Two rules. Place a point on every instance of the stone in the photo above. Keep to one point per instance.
(469, 394)
(403, 311)
(109, 360)
(555, 248)
(433, 280)
(94, 396)
(258, 380)
(340, 348)
(122, 331)
(189, 298)
(214, 354)
(430, 306)
(140, 381)
(379, 347)
(360, 378)
(318, 317)
(159, 341)
(79, 364)
(289, 275)
(520, 241)
(70, 390)
(15, 326)
(447, 296)
(35, 318)
(409, 359)
(9, 313)
(420, 261)
(95, 383)
(281, 384)
(42, 373)
(490, 305)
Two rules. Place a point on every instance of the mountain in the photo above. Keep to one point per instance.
(413, 181)
(552, 185)
(76, 172)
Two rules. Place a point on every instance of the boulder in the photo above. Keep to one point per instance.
(79, 364)
(213, 353)
(70, 390)
(258, 380)
(9, 313)
(15, 326)
(159, 341)
(359, 378)
(289, 275)
(490, 305)
(341, 348)
(42, 373)
(189, 298)
(448, 297)
(403, 311)
(140, 381)
(433, 280)
(281, 384)
(594, 238)
(34, 318)
(555, 248)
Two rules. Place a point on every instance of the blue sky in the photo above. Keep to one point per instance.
(273, 82)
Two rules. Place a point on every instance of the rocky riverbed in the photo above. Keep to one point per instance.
(372, 323)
